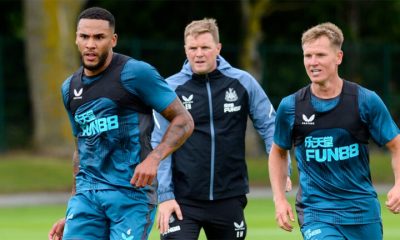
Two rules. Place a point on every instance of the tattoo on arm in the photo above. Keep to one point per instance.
(180, 128)
(75, 165)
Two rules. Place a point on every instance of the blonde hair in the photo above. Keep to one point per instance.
(206, 25)
(329, 30)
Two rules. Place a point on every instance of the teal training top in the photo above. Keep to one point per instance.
(110, 136)
(334, 174)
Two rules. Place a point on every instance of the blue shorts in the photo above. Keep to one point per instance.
(326, 231)
(108, 214)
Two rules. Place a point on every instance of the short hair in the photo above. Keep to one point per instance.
(327, 29)
(98, 13)
(206, 25)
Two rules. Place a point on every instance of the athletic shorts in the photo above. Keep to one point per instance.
(326, 231)
(220, 219)
(108, 214)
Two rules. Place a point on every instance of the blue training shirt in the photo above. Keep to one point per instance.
(331, 192)
(107, 160)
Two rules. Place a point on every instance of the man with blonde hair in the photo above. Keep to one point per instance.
(330, 122)
(204, 184)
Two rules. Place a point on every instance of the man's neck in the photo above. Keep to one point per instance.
(328, 89)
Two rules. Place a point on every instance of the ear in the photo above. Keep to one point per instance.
(114, 40)
(339, 57)
(219, 47)
(185, 49)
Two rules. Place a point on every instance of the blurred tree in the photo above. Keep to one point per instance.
(48, 32)
(253, 12)
(250, 59)
(51, 56)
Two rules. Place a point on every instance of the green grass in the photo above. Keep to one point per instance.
(33, 222)
(24, 172)
(30, 173)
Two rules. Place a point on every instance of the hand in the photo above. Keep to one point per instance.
(284, 215)
(165, 209)
(393, 200)
(56, 232)
(288, 185)
(145, 172)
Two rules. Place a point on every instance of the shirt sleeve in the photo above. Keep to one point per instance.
(165, 188)
(144, 81)
(284, 123)
(375, 114)
(262, 113)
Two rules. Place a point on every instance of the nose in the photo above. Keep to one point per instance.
(199, 52)
(90, 43)
(310, 60)
(313, 60)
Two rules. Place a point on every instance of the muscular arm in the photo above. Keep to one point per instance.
(180, 128)
(75, 164)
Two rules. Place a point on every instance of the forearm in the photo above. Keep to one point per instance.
(75, 168)
(394, 147)
(278, 171)
(180, 128)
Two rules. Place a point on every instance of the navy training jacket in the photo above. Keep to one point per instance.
(211, 164)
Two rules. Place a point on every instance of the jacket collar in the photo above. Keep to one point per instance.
(215, 74)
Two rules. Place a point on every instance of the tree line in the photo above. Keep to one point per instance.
(262, 36)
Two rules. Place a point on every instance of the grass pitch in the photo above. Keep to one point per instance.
(33, 222)
(51, 174)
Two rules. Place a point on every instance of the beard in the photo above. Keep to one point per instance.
(99, 65)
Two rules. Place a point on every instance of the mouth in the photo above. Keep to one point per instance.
(315, 72)
(90, 56)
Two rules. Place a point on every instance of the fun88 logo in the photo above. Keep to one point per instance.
(85, 117)
(91, 125)
(321, 149)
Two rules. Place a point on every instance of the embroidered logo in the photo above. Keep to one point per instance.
(171, 219)
(127, 235)
(172, 229)
(78, 94)
(70, 216)
(230, 95)
(187, 101)
(308, 120)
(239, 228)
(311, 233)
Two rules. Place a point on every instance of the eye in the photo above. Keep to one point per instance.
(83, 36)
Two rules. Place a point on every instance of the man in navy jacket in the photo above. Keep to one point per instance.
(204, 184)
